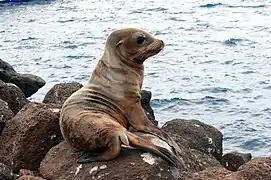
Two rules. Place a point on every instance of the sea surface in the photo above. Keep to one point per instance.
(216, 65)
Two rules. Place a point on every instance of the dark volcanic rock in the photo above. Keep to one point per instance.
(209, 174)
(28, 83)
(146, 104)
(258, 168)
(60, 92)
(5, 114)
(233, 160)
(28, 177)
(13, 95)
(6, 173)
(29, 135)
(196, 135)
(60, 163)
(26, 174)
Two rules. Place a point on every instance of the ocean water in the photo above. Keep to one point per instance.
(215, 66)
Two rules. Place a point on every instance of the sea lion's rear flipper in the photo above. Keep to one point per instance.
(165, 137)
(137, 118)
(148, 146)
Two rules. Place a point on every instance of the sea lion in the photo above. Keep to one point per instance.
(98, 115)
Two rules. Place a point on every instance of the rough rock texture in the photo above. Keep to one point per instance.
(233, 160)
(5, 114)
(60, 163)
(28, 83)
(26, 174)
(60, 92)
(257, 168)
(29, 136)
(196, 135)
(146, 104)
(6, 173)
(13, 95)
(209, 174)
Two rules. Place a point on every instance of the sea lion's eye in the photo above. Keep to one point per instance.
(140, 39)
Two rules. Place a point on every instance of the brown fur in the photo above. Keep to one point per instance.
(99, 114)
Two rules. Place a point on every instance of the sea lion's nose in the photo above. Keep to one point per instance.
(162, 43)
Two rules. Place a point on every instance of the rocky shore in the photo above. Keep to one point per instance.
(32, 147)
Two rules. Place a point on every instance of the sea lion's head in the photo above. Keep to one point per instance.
(133, 45)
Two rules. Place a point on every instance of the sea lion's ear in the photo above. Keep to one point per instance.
(119, 43)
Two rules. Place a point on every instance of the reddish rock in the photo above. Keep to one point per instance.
(28, 177)
(60, 92)
(258, 168)
(196, 135)
(13, 95)
(29, 135)
(60, 163)
(209, 174)
(5, 114)
(26, 174)
(233, 160)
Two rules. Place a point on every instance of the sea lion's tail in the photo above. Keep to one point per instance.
(141, 143)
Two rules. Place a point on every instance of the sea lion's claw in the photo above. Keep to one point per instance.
(77, 150)
(86, 157)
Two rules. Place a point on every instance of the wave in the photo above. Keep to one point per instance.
(211, 5)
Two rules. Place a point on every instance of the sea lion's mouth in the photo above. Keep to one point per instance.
(151, 50)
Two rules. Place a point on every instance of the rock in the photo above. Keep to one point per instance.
(60, 163)
(26, 174)
(257, 168)
(29, 136)
(233, 160)
(208, 174)
(60, 92)
(30, 178)
(6, 173)
(28, 83)
(196, 135)
(146, 104)
(5, 114)
(13, 95)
